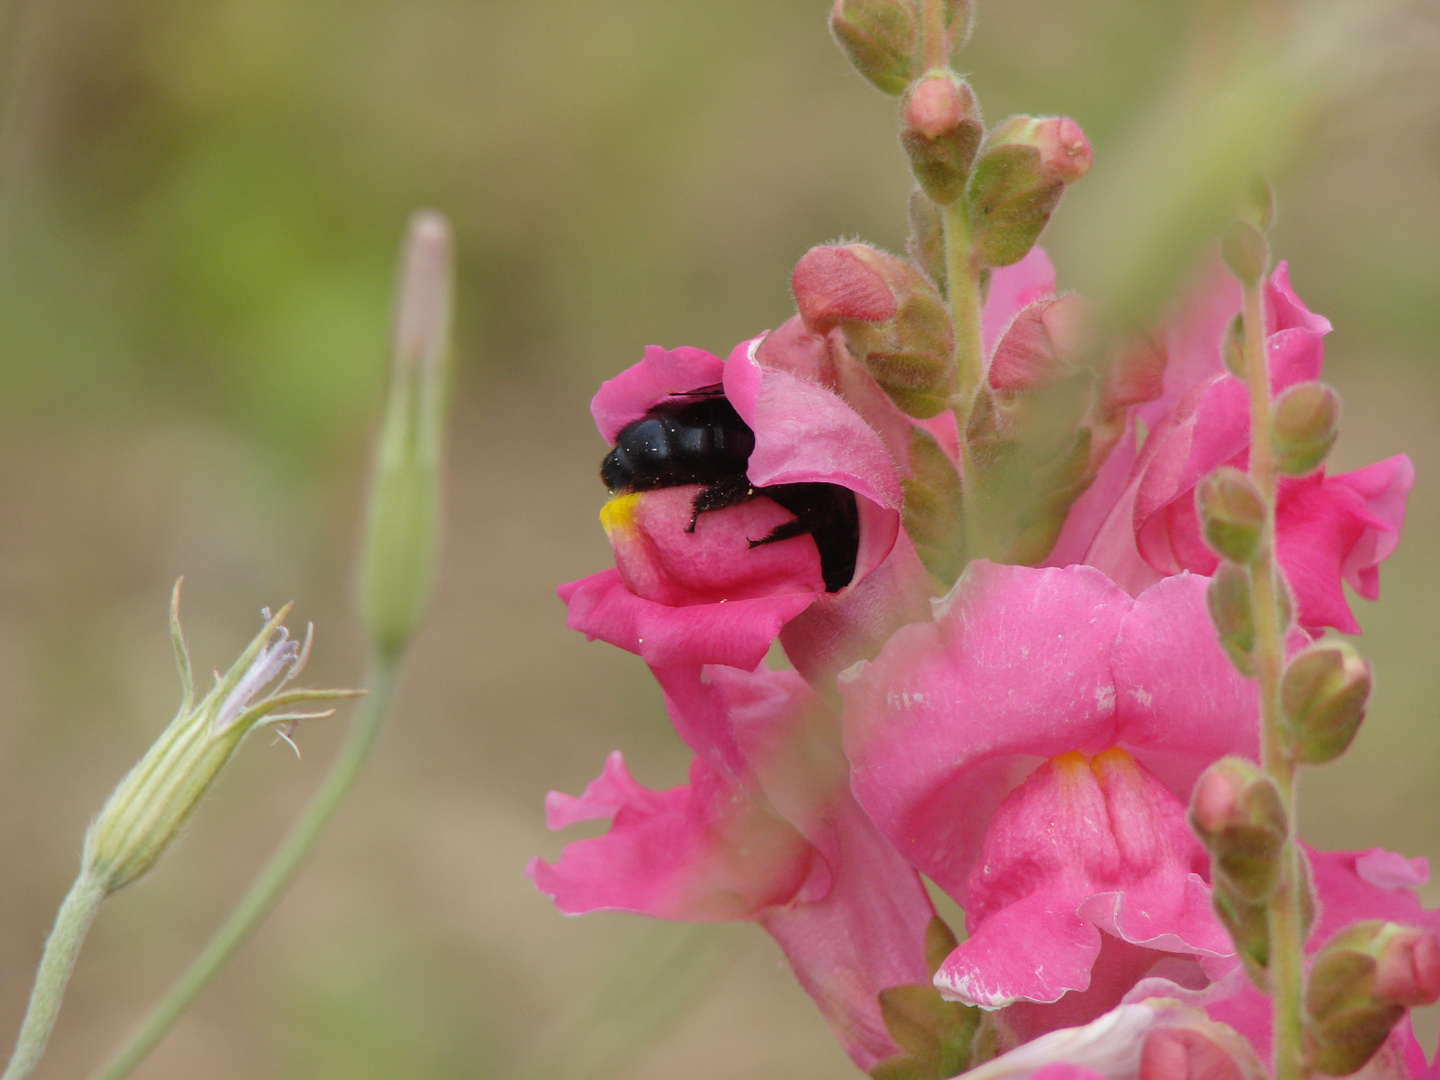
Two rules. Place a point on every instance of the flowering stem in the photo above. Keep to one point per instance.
(62, 948)
(933, 26)
(267, 888)
(1286, 929)
(963, 284)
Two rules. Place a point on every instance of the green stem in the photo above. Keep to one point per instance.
(1286, 923)
(932, 17)
(62, 948)
(267, 888)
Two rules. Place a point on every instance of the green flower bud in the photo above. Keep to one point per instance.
(1233, 613)
(934, 1035)
(1017, 182)
(1245, 252)
(932, 508)
(926, 243)
(402, 530)
(940, 131)
(152, 804)
(1322, 700)
(1260, 203)
(881, 38)
(1306, 423)
(1360, 984)
(1237, 812)
(1232, 515)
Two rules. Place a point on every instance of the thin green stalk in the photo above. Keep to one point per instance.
(62, 948)
(267, 888)
(932, 17)
(1286, 929)
(963, 284)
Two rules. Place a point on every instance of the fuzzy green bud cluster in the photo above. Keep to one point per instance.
(150, 807)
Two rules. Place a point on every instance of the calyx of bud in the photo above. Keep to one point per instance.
(940, 130)
(1359, 986)
(1017, 182)
(1232, 515)
(926, 242)
(1306, 423)
(1322, 700)
(1233, 613)
(881, 38)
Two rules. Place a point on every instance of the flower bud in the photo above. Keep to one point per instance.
(1245, 252)
(1233, 613)
(933, 507)
(1202, 1050)
(1017, 182)
(894, 322)
(1360, 984)
(1407, 971)
(940, 131)
(1306, 423)
(402, 531)
(148, 808)
(1232, 515)
(881, 38)
(1238, 815)
(1322, 700)
(1042, 345)
(1260, 203)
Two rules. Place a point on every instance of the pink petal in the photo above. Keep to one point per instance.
(1012, 288)
(951, 714)
(1108, 1046)
(867, 934)
(1180, 701)
(1384, 487)
(737, 633)
(854, 624)
(661, 374)
(1387, 870)
(1078, 848)
(806, 433)
(703, 852)
(602, 797)
(1347, 893)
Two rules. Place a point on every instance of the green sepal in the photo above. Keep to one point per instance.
(934, 1034)
(931, 514)
(940, 942)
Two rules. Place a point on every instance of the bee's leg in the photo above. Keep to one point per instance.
(786, 530)
(717, 496)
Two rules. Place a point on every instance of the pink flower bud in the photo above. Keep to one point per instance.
(937, 104)
(1186, 1054)
(833, 285)
(1064, 151)
(1407, 970)
(1216, 801)
(1041, 345)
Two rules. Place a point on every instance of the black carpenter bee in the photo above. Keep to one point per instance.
(697, 437)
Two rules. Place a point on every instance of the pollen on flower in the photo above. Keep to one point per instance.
(619, 513)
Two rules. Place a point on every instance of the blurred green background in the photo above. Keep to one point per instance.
(199, 209)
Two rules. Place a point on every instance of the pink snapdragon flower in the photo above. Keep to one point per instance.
(765, 830)
(678, 597)
(1138, 521)
(1032, 751)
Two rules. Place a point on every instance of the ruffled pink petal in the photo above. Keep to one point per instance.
(1384, 488)
(867, 934)
(1079, 848)
(806, 433)
(1108, 1046)
(660, 374)
(1320, 522)
(1181, 703)
(1387, 870)
(602, 797)
(1012, 288)
(737, 633)
(702, 852)
(951, 714)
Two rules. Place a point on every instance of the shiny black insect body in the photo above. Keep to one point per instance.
(699, 438)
